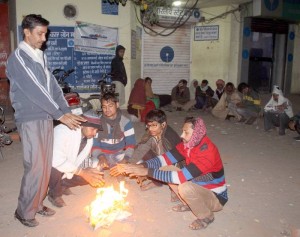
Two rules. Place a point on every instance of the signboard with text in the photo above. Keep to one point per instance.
(89, 67)
(206, 33)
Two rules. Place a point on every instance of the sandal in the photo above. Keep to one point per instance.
(199, 224)
(181, 208)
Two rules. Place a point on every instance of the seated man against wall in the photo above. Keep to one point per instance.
(71, 149)
(181, 97)
(158, 139)
(220, 84)
(277, 112)
(249, 107)
(227, 105)
(204, 95)
(200, 185)
(117, 140)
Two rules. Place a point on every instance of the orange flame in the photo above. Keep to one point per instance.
(108, 206)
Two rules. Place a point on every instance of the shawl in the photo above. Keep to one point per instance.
(198, 134)
(137, 95)
(115, 127)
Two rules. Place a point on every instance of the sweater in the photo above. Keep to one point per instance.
(126, 140)
(34, 96)
(203, 167)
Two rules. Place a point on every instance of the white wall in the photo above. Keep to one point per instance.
(295, 87)
(212, 60)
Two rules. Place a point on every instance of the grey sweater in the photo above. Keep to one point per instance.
(34, 96)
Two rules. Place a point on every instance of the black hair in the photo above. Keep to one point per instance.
(242, 86)
(191, 120)
(205, 81)
(229, 84)
(32, 20)
(109, 96)
(148, 79)
(156, 115)
(183, 81)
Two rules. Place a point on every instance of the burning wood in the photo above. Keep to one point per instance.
(108, 206)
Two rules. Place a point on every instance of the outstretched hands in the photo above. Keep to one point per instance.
(131, 169)
(93, 176)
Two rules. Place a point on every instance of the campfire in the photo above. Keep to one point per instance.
(109, 205)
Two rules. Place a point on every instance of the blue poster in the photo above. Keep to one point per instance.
(89, 67)
(109, 7)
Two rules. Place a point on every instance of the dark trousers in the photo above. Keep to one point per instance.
(56, 184)
(280, 120)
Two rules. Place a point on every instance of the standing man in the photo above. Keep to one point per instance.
(37, 99)
(119, 76)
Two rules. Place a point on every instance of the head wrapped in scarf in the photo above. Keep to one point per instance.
(198, 134)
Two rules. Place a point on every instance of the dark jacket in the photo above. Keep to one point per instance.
(117, 67)
(180, 97)
(33, 96)
(150, 147)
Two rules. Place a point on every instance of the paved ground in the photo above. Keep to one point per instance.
(262, 172)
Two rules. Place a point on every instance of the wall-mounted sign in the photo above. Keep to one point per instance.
(206, 33)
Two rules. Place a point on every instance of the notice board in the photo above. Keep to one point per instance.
(89, 67)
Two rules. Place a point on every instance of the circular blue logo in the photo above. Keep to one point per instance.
(70, 43)
(290, 57)
(167, 54)
(292, 35)
(271, 5)
(247, 31)
(245, 54)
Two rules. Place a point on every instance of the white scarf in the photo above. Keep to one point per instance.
(38, 56)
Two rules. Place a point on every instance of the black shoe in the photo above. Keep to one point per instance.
(26, 222)
(46, 211)
(58, 201)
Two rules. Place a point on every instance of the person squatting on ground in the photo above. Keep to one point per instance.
(227, 105)
(249, 107)
(158, 139)
(37, 99)
(277, 112)
(181, 97)
(204, 95)
(294, 125)
(220, 84)
(200, 185)
(119, 76)
(117, 140)
(72, 165)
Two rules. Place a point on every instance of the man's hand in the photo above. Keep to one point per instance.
(93, 176)
(102, 164)
(131, 169)
(71, 120)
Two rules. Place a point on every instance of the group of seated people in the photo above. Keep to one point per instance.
(226, 102)
(189, 163)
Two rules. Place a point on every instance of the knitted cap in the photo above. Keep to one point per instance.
(92, 120)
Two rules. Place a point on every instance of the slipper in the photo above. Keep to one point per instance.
(199, 224)
(147, 186)
(181, 208)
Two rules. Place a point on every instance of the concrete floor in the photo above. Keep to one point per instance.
(262, 173)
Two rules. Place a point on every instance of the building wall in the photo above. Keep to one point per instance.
(88, 11)
(217, 59)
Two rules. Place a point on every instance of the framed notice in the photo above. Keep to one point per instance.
(206, 33)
